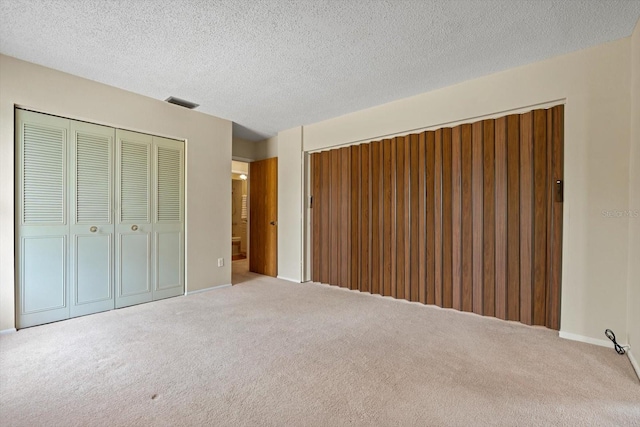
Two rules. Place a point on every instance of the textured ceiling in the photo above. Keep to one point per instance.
(270, 65)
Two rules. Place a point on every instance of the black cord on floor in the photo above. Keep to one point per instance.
(609, 333)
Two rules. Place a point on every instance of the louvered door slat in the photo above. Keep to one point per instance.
(43, 191)
(93, 178)
(169, 183)
(134, 179)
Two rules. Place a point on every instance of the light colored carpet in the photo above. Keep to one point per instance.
(272, 353)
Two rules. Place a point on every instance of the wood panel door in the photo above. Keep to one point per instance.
(263, 217)
(464, 217)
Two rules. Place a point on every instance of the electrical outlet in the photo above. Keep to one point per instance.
(220, 262)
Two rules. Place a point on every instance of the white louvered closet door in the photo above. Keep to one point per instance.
(99, 218)
(41, 218)
(92, 226)
(134, 218)
(168, 221)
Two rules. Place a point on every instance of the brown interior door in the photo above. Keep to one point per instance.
(263, 217)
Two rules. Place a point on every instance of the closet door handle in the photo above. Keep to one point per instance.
(93, 229)
(134, 227)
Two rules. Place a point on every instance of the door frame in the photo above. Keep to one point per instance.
(244, 160)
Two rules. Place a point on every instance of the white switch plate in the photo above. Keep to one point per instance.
(220, 262)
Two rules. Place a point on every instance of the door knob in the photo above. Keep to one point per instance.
(93, 229)
(274, 223)
(134, 227)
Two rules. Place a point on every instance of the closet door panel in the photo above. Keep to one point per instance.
(168, 173)
(133, 275)
(168, 261)
(43, 277)
(92, 227)
(133, 222)
(41, 218)
(92, 275)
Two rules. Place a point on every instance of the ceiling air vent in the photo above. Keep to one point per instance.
(181, 102)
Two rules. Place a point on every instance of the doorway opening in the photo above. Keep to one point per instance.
(239, 215)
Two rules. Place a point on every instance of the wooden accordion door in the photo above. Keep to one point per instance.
(468, 217)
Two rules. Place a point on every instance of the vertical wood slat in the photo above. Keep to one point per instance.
(437, 209)
(489, 234)
(549, 197)
(365, 219)
(555, 239)
(447, 293)
(356, 213)
(397, 290)
(316, 183)
(422, 218)
(467, 223)
(393, 237)
(460, 217)
(456, 213)
(540, 213)
(477, 214)
(526, 215)
(414, 260)
(513, 217)
(334, 253)
(388, 221)
(376, 218)
(325, 210)
(345, 203)
(431, 209)
(407, 219)
(501, 217)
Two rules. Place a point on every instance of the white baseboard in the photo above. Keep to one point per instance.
(588, 340)
(208, 289)
(603, 343)
(8, 331)
(288, 279)
(634, 363)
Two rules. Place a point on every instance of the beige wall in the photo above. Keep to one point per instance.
(266, 149)
(208, 162)
(243, 149)
(289, 204)
(634, 202)
(255, 150)
(594, 85)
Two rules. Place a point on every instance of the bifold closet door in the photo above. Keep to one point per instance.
(133, 228)
(168, 221)
(42, 228)
(99, 218)
(92, 226)
(150, 218)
